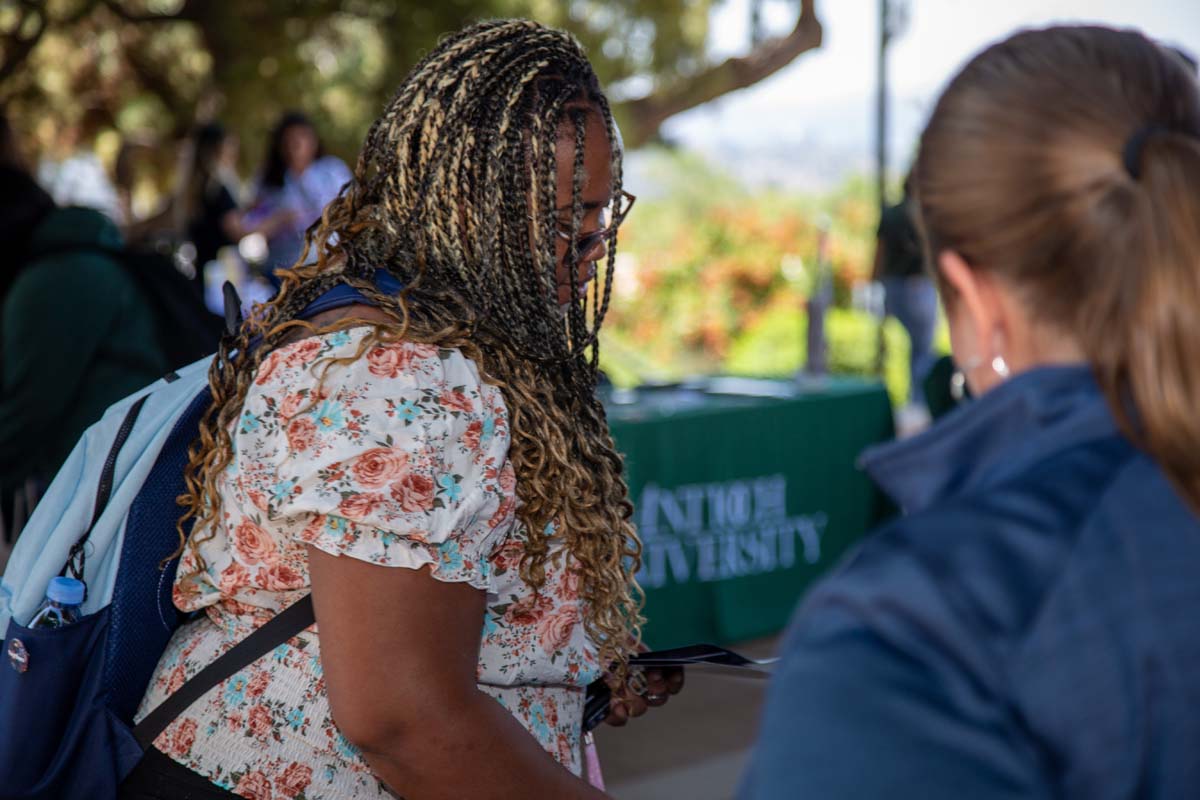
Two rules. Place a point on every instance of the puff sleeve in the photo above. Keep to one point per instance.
(397, 457)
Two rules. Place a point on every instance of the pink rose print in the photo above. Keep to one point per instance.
(240, 609)
(509, 556)
(182, 594)
(294, 780)
(267, 368)
(254, 785)
(279, 578)
(183, 738)
(473, 434)
(291, 404)
(259, 721)
(258, 684)
(253, 544)
(456, 401)
(414, 492)
(300, 434)
(258, 499)
(389, 360)
(304, 352)
(554, 631)
(379, 466)
(568, 587)
(564, 749)
(233, 578)
(503, 511)
(359, 506)
(177, 679)
(528, 610)
(508, 479)
(312, 531)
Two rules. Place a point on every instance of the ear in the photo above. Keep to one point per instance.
(981, 305)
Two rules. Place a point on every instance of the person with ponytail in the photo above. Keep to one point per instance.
(1029, 627)
(431, 464)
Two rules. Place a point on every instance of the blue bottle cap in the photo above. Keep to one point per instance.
(67, 591)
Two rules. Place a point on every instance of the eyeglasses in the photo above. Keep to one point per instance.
(611, 217)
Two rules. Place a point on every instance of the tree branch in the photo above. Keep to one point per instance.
(153, 78)
(17, 48)
(645, 115)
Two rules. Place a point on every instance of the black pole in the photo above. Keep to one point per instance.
(881, 107)
(881, 110)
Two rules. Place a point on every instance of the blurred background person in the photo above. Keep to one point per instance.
(209, 211)
(76, 176)
(297, 180)
(1028, 629)
(76, 334)
(210, 200)
(909, 293)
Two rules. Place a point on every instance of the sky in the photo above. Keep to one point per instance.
(813, 121)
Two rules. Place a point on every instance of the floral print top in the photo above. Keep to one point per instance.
(397, 456)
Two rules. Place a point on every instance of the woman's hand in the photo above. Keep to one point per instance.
(643, 689)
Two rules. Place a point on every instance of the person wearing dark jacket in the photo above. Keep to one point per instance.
(1029, 628)
(75, 333)
(909, 292)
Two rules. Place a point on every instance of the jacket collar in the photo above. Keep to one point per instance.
(1005, 431)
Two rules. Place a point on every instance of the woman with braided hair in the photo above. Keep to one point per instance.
(430, 463)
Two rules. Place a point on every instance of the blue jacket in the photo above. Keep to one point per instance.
(1029, 629)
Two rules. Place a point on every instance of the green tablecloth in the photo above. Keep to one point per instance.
(741, 501)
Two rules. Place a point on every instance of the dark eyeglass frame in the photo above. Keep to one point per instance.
(587, 241)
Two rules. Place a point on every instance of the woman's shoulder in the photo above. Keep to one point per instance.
(349, 355)
(991, 560)
(327, 170)
(377, 384)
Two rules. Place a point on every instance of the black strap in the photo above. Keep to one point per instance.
(76, 558)
(1131, 154)
(233, 308)
(273, 633)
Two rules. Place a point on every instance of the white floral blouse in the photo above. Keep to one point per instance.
(399, 458)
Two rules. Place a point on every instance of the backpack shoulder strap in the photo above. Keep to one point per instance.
(344, 295)
(283, 626)
(76, 559)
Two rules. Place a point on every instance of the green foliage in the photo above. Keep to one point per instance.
(713, 278)
(153, 67)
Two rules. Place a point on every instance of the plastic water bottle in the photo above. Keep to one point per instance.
(61, 607)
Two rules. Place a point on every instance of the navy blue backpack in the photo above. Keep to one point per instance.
(68, 695)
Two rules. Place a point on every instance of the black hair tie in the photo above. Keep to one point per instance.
(1132, 154)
